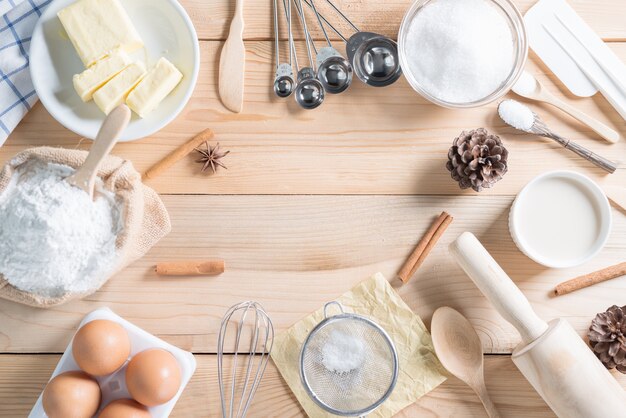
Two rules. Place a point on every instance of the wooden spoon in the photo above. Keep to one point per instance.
(459, 349)
(540, 94)
(111, 129)
(232, 63)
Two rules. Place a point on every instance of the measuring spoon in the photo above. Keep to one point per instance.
(283, 81)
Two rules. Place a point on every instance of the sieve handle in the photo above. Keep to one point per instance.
(334, 302)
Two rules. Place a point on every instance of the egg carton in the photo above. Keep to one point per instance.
(113, 386)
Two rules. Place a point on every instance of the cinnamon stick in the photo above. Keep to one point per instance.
(178, 154)
(590, 279)
(191, 268)
(424, 247)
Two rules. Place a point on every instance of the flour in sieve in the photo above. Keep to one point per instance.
(343, 352)
(53, 238)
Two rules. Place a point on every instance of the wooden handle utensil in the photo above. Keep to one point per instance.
(598, 127)
(191, 268)
(232, 63)
(554, 359)
(497, 286)
(110, 131)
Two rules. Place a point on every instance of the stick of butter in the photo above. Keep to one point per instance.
(154, 87)
(113, 93)
(94, 77)
(98, 27)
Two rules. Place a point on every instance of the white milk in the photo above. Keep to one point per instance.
(559, 219)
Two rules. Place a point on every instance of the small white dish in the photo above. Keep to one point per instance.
(113, 386)
(166, 30)
(560, 219)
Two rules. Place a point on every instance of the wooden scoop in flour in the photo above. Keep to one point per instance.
(110, 131)
(552, 356)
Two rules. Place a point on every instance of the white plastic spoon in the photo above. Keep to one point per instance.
(110, 131)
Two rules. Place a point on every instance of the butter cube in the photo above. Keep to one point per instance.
(98, 27)
(94, 77)
(113, 93)
(154, 87)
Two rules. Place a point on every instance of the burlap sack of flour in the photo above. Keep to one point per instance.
(145, 218)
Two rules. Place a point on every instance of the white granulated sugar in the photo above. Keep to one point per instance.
(460, 51)
(516, 114)
(526, 84)
(343, 352)
(53, 238)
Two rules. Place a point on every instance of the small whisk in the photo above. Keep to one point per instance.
(248, 331)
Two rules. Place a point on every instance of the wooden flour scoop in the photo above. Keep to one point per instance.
(552, 356)
(111, 129)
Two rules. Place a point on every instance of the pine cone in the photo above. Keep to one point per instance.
(607, 336)
(477, 159)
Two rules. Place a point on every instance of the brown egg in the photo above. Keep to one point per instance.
(153, 377)
(125, 408)
(71, 395)
(101, 347)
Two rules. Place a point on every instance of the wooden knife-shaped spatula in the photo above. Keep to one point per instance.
(232, 63)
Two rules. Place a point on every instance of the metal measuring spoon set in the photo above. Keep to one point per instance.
(372, 57)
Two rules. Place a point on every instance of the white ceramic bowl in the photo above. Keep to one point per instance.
(166, 30)
(596, 197)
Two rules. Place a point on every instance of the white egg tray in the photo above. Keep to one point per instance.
(113, 386)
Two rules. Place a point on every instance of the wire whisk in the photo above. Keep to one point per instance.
(248, 331)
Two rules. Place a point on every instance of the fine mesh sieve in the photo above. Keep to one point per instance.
(361, 390)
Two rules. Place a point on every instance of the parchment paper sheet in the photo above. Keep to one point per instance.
(420, 370)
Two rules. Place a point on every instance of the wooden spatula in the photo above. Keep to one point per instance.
(110, 131)
(232, 63)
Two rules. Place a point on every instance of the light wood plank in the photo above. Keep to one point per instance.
(293, 254)
(22, 377)
(366, 141)
(212, 18)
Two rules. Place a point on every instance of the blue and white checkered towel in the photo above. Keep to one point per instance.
(17, 95)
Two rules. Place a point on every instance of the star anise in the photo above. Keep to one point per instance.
(211, 157)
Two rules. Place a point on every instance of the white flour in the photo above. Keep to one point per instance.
(342, 352)
(53, 238)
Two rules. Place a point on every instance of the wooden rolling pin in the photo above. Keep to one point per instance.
(552, 357)
(191, 268)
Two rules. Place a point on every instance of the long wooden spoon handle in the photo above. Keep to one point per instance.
(110, 131)
(601, 129)
(484, 397)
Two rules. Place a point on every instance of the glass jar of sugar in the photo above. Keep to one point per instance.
(462, 53)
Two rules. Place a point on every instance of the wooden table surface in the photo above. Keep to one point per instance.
(314, 202)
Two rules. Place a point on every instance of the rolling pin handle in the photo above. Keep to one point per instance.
(497, 286)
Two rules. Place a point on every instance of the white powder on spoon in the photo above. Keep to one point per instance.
(526, 84)
(53, 238)
(460, 51)
(516, 114)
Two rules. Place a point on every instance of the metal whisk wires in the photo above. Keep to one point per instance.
(248, 331)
